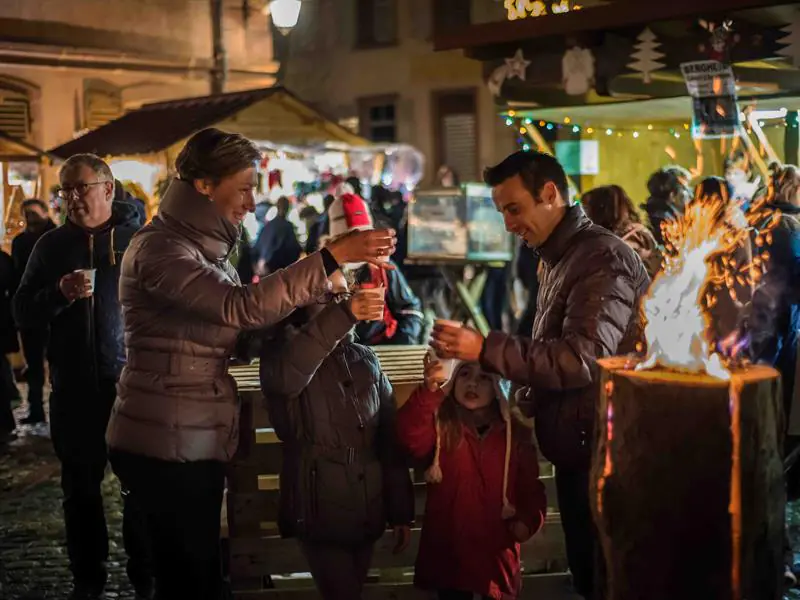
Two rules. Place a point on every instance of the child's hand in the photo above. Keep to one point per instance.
(519, 531)
(435, 374)
(367, 305)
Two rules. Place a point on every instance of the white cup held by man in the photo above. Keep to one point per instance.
(89, 278)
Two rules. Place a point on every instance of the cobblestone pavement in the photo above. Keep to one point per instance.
(33, 559)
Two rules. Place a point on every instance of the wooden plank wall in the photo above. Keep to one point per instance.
(263, 565)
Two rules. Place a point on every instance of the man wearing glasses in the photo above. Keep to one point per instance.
(70, 283)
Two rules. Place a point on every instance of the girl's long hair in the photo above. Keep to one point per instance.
(451, 428)
(610, 207)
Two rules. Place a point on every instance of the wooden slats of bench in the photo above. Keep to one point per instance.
(401, 364)
(270, 555)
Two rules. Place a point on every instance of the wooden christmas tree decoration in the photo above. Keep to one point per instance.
(646, 55)
(791, 41)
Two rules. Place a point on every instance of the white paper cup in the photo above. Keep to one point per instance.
(449, 364)
(89, 276)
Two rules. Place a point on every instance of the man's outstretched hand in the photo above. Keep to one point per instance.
(374, 247)
(462, 343)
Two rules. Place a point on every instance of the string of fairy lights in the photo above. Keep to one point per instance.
(524, 124)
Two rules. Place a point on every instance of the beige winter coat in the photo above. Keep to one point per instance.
(183, 310)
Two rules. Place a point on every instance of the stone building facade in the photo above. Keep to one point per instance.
(66, 66)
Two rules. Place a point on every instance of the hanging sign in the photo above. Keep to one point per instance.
(712, 86)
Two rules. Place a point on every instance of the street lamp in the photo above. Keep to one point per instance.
(284, 14)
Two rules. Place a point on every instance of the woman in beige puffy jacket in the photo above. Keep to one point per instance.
(175, 421)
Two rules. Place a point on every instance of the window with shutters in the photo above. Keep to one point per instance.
(451, 14)
(376, 23)
(456, 132)
(15, 112)
(378, 118)
(102, 102)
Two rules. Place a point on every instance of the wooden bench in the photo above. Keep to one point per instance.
(263, 565)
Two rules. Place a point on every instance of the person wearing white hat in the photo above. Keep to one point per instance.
(484, 496)
(401, 324)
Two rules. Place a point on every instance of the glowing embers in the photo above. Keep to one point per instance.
(700, 264)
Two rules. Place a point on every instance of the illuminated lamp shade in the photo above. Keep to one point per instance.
(285, 14)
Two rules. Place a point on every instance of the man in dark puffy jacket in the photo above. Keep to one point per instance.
(34, 339)
(122, 195)
(8, 344)
(71, 283)
(591, 286)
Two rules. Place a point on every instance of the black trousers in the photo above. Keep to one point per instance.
(339, 571)
(181, 504)
(580, 536)
(78, 421)
(34, 344)
(7, 386)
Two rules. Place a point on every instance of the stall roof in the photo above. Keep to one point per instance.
(13, 149)
(155, 127)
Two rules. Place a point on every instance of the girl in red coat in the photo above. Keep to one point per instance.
(484, 495)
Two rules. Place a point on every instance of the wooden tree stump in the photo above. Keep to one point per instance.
(672, 484)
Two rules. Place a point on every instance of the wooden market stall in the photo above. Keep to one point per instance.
(20, 179)
(155, 133)
(602, 82)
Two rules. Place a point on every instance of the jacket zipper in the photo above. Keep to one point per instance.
(92, 332)
(361, 428)
(314, 496)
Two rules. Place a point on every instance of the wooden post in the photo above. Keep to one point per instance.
(219, 71)
(700, 438)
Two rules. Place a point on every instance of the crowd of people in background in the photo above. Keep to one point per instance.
(147, 390)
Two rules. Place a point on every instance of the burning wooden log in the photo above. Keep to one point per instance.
(688, 483)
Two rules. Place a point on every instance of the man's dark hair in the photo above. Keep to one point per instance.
(666, 182)
(214, 154)
(535, 169)
(327, 201)
(30, 202)
(283, 206)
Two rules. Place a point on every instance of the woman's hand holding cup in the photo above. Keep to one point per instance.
(374, 247)
(368, 304)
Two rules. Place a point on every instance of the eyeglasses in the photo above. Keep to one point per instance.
(81, 189)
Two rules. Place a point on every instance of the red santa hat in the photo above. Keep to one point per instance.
(349, 212)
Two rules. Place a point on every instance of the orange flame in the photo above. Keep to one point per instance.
(698, 265)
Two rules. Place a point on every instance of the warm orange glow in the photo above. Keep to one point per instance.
(735, 505)
(676, 323)
(608, 467)
(676, 309)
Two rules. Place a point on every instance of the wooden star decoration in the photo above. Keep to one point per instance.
(517, 65)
